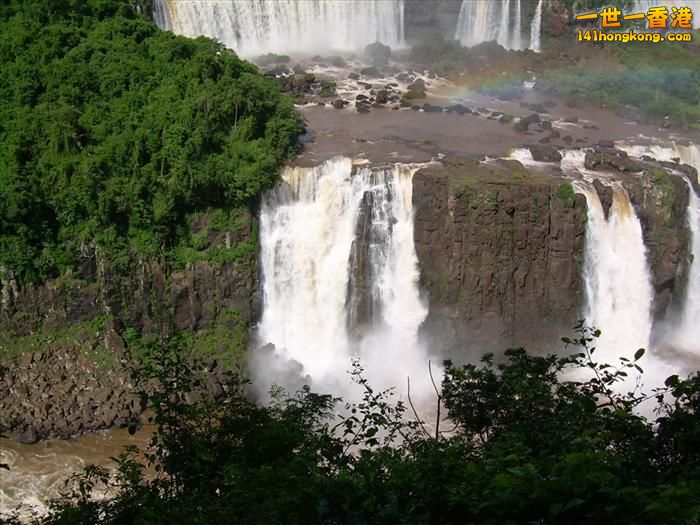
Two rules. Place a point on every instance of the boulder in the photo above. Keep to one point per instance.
(610, 159)
(28, 437)
(544, 153)
(378, 54)
(382, 96)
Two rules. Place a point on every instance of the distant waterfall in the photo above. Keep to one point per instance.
(536, 29)
(340, 274)
(517, 35)
(618, 287)
(253, 27)
(484, 20)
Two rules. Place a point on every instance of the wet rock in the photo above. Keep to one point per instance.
(544, 153)
(339, 104)
(370, 71)
(605, 194)
(610, 159)
(382, 96)
(533, 118)
(571, 120)
(353, 76)
(378, 54)
(28, 437)
(545, 124)
(520, 126)
(418, 85)
(429, 108)
(458, 108)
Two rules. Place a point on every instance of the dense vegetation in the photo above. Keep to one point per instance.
(657, 81)
(519, 445)
(112, 131)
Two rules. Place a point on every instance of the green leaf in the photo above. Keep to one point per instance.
(638, 354)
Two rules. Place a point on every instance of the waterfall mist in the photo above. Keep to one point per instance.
(340, 280)
(282, 26)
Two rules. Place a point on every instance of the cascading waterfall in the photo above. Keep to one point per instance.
(340, 275)
(683, 333)
(477, 23)
(253, 27)
(536, 29)
(517, 36)
(618, 287)
(686, 337)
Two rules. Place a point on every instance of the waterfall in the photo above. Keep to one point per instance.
(504, 29)
(340, 275)
(536, 28)
(618, 288)
(253, 27)
(485, 20)
(683, 332)
(686, 337)
(517, 35)
(477, 23)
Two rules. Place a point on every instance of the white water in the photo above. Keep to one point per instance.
(253, 28)
(536, 29)
(517, 34)
(485, 20)
(308, 225)
(683, 334)
(618, 288)
(687, 336)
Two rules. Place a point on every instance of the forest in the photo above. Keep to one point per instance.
(113, 131)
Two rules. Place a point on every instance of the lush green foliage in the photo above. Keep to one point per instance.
(660, 81)
(566, 193)
(112, 130)
(526, 447)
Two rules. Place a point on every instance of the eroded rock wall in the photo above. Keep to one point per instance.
(63, 362)
(500, 255)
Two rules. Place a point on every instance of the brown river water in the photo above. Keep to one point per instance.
(38, 472)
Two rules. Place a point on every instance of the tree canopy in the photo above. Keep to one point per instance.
(112, 130)
(517, 444)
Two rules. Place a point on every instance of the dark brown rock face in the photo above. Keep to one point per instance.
(500, 258)
(661, 201)
(362, 304)
(63, 363)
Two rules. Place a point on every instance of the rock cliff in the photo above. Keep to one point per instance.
(500, 252)
(63, 362)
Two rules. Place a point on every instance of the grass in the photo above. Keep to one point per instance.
(565, 192)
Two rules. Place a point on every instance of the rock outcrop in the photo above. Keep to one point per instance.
(63, 363)
(500, 255)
